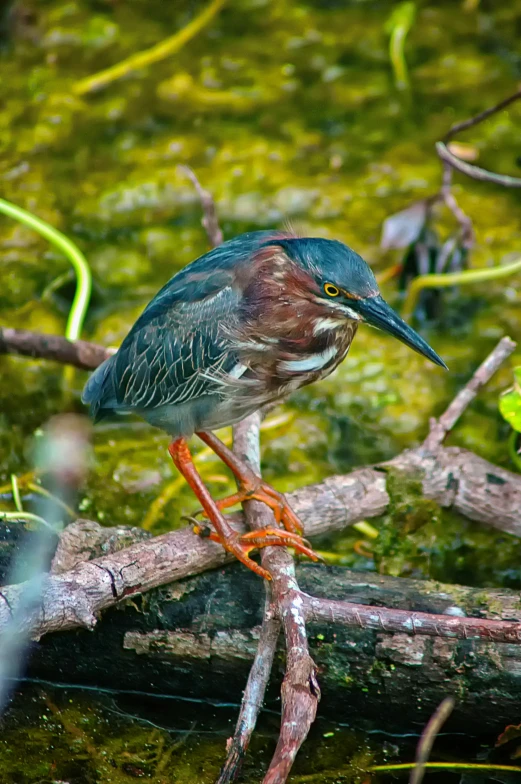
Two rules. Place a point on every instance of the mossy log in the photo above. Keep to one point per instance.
(197, 637)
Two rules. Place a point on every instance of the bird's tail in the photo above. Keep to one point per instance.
(99, 392)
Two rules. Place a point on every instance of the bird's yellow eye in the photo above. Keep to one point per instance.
(330, 290)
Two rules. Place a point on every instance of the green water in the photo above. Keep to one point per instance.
(287, 111)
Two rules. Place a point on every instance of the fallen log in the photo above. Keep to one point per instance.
(197, 638)
(453, 477)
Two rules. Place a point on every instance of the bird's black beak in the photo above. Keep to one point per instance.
(376, 311)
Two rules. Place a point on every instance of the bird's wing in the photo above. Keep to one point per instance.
(176, 351)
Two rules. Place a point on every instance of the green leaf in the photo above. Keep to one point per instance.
(510, 402)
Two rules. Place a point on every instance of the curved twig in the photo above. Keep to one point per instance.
(476, 172)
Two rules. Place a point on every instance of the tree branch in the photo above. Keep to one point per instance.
(476, 172)
(384, 619)
(300, 690)
(439, 428)
(78, 353)
(253, 696)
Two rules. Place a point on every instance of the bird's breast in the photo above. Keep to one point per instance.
(286, 365)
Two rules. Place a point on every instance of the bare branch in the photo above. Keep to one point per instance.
(478, 118)
(446, 195)
(300, 690)
(476, 172)
(78, 353)
(253, 696)
(385, 619)
(439, 428)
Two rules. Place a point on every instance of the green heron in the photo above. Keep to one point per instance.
(242, 326)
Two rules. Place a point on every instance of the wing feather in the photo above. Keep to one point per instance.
(177, 350)
(177, 356)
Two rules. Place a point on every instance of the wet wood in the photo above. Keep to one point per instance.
(197, 638)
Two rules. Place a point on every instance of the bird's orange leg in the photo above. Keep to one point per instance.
(252, 486)
(238, 544)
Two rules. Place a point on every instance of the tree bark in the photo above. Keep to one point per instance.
(197, 638)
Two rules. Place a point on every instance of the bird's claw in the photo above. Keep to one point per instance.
(282, 511)
(240, 545)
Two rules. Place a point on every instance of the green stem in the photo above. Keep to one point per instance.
(446, 279)
(16, 493)
(28, 517)
(443, 766)
(166, 48)
(81, 299)
(399, 24)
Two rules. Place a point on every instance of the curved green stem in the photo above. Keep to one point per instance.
(81, 299)
(27, 517)
(399, 24)
(16, 493)
(164, 49)
(453, 279)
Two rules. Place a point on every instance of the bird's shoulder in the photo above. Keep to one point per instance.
(181, 340)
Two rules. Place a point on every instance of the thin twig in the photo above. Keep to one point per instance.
(428, 736)
(209, 220)
(440, 427)
(478, 118)
(253, 696)
(447, 196)
(476, 172)
(246, 442)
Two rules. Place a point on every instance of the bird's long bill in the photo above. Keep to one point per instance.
(376, 311)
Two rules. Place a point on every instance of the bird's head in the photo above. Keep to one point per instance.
(343, 286)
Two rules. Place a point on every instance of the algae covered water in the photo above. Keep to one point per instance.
(287, 111)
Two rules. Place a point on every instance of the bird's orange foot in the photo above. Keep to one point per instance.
(240, 545)
(261, 491)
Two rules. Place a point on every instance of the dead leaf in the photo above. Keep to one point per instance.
(403, 228)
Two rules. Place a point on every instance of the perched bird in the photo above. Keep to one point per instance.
(242, 326)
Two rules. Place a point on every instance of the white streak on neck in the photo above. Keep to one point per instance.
(310, 363)
(326, 324)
